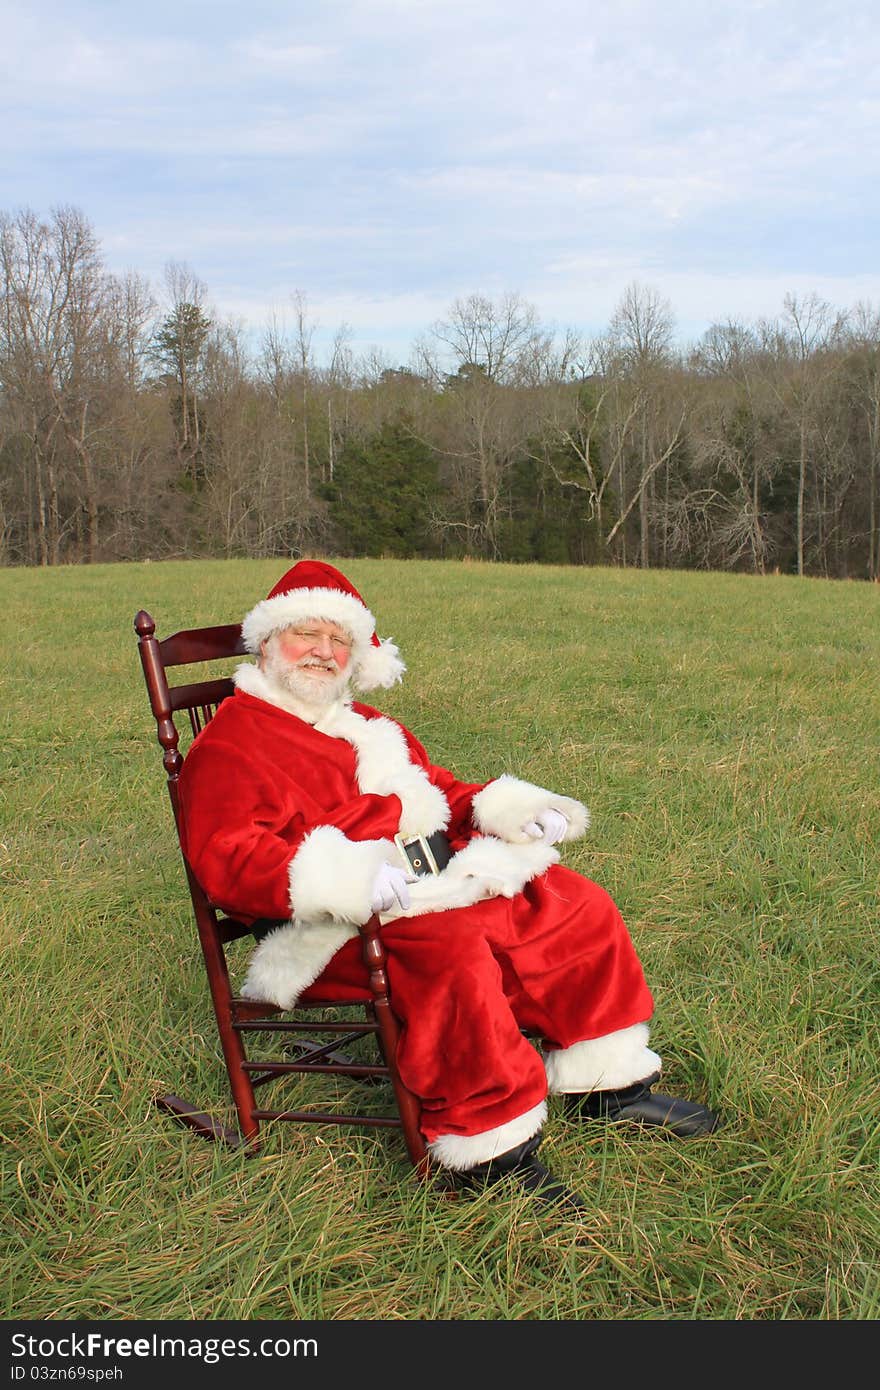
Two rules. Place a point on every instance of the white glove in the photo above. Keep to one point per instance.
(390, 885)
(549, 826)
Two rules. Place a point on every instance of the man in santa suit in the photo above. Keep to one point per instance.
(307, 809)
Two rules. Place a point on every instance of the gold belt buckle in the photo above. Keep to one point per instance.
(417, 854)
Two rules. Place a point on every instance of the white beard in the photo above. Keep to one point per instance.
(316, 692)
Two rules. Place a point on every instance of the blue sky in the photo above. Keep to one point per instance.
(384, 157)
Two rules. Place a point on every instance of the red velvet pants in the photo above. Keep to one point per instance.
(556, 959)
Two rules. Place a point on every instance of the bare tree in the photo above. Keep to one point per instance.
(304, 332)
(587, 419)
(340, 381)
(642, 328)
(800, 349)
(481, 359)
(274, 360)
(730, 445)
(639, 349)
(500, 337)
(53, 288)
(128, 310)
(864, 374)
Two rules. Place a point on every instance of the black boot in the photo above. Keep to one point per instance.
(686, 1119)
(521, 1163)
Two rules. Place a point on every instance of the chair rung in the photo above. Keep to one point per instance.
(322, 1117)
(334, 1068)
(274, 1025)
(249, 1006)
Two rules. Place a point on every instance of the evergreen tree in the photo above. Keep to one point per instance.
(177, 347)
(380, 498)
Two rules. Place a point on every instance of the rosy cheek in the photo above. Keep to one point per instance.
(343, 656)
(291, 649)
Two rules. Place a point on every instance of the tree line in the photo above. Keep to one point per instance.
(133, 429)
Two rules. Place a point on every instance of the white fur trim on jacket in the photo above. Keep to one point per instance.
(290, 959)
(331, 876)
(504, 806)
(463, 1151)
(384, 768)
(331, 880)
(485, 868)
(603, 1064)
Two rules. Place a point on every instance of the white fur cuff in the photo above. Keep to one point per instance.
(463, 1151)
(504, 806)
(603, 1064)
(331, 876)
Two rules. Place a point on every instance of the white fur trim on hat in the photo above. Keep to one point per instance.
(380, 666)
(298, 605)
(371, 666)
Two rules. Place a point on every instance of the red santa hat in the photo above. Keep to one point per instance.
(313, 591)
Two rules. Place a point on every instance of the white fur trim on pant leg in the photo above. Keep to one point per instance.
(463, 1151)
(504, 806)
(290, 959)
(331, 877)
(602, 1064)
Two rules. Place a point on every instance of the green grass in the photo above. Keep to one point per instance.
(724, 731)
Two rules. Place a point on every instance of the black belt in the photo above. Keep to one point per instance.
(425, 854)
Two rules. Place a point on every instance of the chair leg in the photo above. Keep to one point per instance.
(389, 1033)
(230, 1039)
(235, 1056)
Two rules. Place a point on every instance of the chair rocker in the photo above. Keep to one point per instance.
(315, 1019)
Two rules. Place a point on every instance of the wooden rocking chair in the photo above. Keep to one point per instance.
(306, 1051)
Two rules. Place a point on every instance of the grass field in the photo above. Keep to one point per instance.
(724, 731)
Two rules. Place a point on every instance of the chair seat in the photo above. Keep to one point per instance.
(343, 994)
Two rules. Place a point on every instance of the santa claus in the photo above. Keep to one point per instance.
(306, 809)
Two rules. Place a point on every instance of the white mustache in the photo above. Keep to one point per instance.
(330, 664)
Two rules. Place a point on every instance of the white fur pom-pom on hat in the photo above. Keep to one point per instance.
(313, 591)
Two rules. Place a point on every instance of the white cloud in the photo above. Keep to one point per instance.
(286, 57)
(388, 155)
(571, 193)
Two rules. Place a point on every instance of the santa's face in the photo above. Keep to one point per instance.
(321, 647)
(309, 660)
